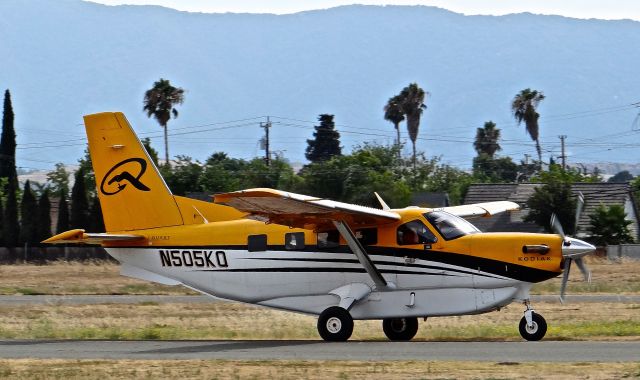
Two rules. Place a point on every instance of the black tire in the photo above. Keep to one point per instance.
(335, 324)
(537, 332)
(400, 328)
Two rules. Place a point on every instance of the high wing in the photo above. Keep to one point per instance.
(79, 236)
(302, 211)
(481, 209)
(307, 212)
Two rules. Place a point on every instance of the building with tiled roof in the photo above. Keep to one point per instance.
(594, 194)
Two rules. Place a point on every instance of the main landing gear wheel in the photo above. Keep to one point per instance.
(400, 328)
(535, 332)
(335, 324)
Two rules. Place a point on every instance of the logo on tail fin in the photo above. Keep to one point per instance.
(123, 176)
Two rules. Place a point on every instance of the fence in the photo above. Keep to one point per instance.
(616, 252)
(43, 254)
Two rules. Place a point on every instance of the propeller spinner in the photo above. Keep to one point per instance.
(572, 249)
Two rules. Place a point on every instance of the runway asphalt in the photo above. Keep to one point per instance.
(500, 352)
(134, 299)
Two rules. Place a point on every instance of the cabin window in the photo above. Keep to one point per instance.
(294, 241)
(329, 239)
(450, 226)
(415, 232)
(367, 236)
(257, 243)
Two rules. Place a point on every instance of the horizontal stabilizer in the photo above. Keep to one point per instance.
(78, 236)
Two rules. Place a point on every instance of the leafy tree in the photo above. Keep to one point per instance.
(524, 106)
(412, 98)
(489, 169)
(393, 113)
(553, 197)
(353, 178)
(58, 179)
(43, 223)
(11, 226)
(326, 140)
(184, 176)
(621, 177)
(28, 216)
(63, 214)
(486, 141)
(89, 176)
(159, 102)
(8, 142)
(555, 173)
(278, 174)
(79, 204)
(608, 226)
(146, 142)
(222, 174)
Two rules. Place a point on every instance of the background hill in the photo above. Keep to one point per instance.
(62, 59)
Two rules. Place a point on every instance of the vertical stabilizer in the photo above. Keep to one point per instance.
(132, 193)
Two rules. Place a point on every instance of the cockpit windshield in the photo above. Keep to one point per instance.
(450, 226)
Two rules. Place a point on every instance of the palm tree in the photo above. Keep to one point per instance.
(159, 102)
(524, 109)
(393, 113)
(487, 139)
(412, 103)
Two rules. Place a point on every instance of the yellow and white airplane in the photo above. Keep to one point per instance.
(316, 256)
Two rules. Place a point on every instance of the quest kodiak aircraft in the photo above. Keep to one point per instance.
(316, 256)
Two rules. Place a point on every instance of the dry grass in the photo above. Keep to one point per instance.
(104, 278)
(221, 320)
(607, 277)
(76, 278)
(224, 369)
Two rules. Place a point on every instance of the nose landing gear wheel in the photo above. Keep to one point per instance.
(335, 324)
(400, 328)
(535, 332)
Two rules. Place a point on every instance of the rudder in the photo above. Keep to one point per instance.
(132, 193)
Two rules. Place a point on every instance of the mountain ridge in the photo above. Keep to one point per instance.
(86, 57)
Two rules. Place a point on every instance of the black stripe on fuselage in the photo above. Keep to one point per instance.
(482, 264)
(321, 269)
(376, 262)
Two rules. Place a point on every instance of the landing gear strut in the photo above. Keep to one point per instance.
(335, 324)
(400, 328)
(532, 327)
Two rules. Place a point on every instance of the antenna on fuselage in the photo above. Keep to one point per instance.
(384, 205)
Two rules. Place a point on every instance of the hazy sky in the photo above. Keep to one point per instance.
(609, 9)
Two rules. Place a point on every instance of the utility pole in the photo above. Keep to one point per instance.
(267, 154)
(564, 156)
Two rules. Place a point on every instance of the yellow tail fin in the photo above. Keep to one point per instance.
(132, 193)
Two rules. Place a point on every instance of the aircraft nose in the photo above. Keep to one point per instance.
(574, 248)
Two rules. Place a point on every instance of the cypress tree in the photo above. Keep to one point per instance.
(63, 213)
(44, 217)
(28, 216)
(79, 203)
(326, 141)
(11, 226)
(97, 223)
(8, 141)
(1, 224)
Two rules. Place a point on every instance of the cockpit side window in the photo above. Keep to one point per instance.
(450, 226)
(415, 232)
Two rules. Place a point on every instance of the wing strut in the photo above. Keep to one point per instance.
(361, 254)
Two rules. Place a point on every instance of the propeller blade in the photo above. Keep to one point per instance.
(579, 208)
(586, 273)
(565, 278)
(556, 226)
